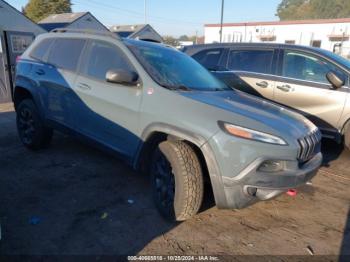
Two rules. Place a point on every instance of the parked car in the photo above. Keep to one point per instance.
(164, 114)
(313, 81)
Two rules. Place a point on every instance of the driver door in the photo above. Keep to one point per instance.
(107, 112)
(303, 85)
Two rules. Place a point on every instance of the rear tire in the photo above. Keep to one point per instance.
(31, 129)
(347, 138)
(177, 180)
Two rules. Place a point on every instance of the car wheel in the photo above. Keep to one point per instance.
(177, 180)
(31, 128)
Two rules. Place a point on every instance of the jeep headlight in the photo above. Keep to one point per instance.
(251, 134)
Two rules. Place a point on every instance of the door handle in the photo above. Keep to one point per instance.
(84, 86)
(263, 84)
(285, 88)
(40, 72)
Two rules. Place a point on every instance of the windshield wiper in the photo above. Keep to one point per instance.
(179, 87)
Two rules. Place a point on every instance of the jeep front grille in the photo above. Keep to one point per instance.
(309, 145)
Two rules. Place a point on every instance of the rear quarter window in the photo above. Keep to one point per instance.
(256, 61)
(209, 58)
(41, 49)
(65, 53)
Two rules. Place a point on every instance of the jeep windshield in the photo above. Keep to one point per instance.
(173, 69)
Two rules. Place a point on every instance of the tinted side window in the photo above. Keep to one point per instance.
(65, 53)
(41, 49)
(257, 61)
(308, 67)
(104, 56)
(209, 58)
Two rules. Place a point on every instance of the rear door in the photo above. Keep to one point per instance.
(303, 85)
(107, 112)
(56, 79)
(251, 70)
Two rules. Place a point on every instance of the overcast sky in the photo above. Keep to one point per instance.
(174, 17)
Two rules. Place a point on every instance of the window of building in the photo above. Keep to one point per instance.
(209, 58)
(316, 43)
(290, 42)
(308, 67)
(41, 49)
(20, 43)
(104, 56)
(257, 61)
(65, 53)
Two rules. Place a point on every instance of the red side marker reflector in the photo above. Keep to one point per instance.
(150, 91)
(292, 192)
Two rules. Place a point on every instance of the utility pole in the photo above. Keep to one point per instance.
(222, 19)
(145, 6)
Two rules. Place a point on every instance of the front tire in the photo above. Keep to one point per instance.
(177, 180)
(31, 129)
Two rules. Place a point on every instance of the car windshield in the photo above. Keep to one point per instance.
(173, 69)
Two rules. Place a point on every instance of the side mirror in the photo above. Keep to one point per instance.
(121, 76)
(335, 80)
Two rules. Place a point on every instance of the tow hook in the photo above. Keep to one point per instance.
(292, 192)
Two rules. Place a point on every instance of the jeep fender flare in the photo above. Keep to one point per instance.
(176, 133)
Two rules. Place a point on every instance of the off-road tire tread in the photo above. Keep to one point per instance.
(191, 173)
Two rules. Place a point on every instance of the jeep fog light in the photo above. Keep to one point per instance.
(271, 166)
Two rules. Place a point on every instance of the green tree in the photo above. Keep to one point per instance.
(39, 9)
(313, 9)
(183, 38)
(169, 40)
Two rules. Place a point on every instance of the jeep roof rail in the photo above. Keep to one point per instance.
(85, 31)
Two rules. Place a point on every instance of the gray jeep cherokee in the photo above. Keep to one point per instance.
(165, 114)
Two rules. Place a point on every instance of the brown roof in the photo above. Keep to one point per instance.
(290, 22)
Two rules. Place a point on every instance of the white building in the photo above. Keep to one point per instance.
(16, 33)
(330, 34)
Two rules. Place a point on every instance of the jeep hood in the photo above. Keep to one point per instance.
(267, 114)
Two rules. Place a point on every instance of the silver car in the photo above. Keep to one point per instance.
(312, 81)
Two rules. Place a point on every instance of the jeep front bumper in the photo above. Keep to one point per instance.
(252, 186)
(237, 181)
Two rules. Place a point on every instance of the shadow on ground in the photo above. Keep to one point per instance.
(345, 247)
(331, 151)
(72, 199)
